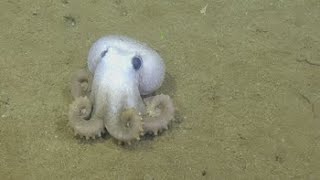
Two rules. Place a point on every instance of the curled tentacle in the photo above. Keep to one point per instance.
(126, 126)
(80, 84)
(81, 121)
(160, 111)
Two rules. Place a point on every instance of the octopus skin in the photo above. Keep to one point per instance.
(109, 96)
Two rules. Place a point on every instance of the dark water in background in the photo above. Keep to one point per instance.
(244, 77)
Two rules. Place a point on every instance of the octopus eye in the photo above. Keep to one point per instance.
(104, 53)
(136, 62)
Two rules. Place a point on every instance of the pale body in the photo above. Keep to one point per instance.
(123, 69)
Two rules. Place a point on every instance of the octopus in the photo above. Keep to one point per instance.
(116, 93)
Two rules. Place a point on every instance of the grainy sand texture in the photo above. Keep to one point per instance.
(244, 77)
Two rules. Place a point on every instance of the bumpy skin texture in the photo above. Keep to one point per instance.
(121, 70)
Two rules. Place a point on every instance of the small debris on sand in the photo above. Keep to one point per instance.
(204, 10)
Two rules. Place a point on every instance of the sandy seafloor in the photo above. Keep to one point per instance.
(244, 78)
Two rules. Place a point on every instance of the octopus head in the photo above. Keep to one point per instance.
(123, 53)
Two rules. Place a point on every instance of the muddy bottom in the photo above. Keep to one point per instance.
(243, 75)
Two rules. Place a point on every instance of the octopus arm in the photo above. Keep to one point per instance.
(125, 126)
(160, 112)
(80, 120)
(80, 83)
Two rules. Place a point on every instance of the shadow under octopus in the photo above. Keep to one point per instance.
(109, 96)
